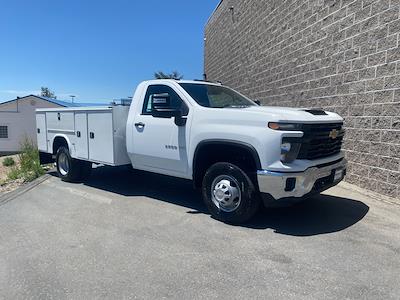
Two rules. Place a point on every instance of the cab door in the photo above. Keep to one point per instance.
(158, 143)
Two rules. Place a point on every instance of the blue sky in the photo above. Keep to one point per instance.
(97, 50)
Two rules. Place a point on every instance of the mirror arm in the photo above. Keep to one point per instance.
(180, 120)
(168, 113)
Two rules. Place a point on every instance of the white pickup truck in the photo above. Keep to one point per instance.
(239, 153)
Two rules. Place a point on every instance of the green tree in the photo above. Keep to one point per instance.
(173, 75)
(46, 92)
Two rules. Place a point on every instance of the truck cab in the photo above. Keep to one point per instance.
(240, 154)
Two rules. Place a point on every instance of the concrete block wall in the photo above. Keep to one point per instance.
(340, 55)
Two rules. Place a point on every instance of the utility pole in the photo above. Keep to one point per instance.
(72, 98)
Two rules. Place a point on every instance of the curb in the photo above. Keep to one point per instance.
(22, 189)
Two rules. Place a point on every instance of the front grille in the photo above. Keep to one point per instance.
(321, 140)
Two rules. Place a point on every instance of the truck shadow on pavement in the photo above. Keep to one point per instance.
(321, 214)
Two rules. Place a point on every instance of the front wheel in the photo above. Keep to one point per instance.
(229, 193)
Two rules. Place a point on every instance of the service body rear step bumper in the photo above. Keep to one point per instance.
(282, 185)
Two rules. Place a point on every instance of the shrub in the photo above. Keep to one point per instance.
(8, 162)
(29, 164)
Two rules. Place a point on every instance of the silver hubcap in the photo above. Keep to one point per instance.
(225, 193)
(63, 164)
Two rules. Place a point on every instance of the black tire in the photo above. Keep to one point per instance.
(85, 170)
(68, 169)
(242, 209)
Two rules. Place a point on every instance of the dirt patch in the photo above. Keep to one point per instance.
(10, 186)
(4, 170)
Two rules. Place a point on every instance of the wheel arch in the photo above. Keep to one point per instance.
(248, 151)
(60, 140)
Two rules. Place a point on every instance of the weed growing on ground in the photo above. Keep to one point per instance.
(29, 167)
(8, 162)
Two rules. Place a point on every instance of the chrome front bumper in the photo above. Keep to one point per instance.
(275, 183)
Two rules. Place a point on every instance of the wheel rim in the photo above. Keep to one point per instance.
(225, 193)
(63, 164)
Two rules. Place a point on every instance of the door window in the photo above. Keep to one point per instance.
(176, 101)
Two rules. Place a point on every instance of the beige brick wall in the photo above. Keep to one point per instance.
(343, 56)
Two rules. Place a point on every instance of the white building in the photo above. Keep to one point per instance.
(17, 120)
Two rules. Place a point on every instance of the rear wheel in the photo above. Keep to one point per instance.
(68, 169)
(229, 193)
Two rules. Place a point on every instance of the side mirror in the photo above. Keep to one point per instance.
(258, 102)
(161, 108)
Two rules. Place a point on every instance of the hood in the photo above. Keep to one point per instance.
(289, 114)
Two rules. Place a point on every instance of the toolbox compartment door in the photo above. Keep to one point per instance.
(101, 140)
(60, 122)
(41, 132)
(81, 135)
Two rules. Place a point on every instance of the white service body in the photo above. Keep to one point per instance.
(96, 134)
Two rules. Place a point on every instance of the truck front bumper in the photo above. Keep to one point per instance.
(280, 185)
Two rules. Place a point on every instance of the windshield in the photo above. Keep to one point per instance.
(216, 96)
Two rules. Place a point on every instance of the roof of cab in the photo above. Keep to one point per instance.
(153, 81)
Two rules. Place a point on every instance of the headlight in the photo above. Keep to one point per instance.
(289, 151)
(284, 126)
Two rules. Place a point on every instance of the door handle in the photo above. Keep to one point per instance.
(91, 135)
(140, 125)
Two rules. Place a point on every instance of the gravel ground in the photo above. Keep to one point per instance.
(4, 170)
(10, 186)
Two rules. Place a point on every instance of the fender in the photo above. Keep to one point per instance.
(235, 143)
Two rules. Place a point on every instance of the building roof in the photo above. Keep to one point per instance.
(62, 103)
(56, 101)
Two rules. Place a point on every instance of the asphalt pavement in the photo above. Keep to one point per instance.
(126, 235)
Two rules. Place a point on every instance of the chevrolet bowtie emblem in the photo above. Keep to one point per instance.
(333, 134)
